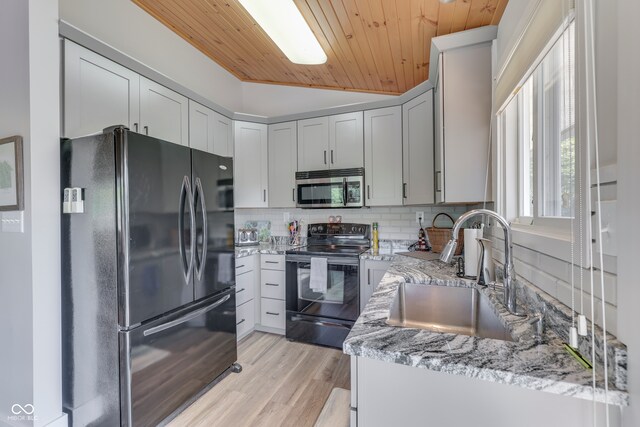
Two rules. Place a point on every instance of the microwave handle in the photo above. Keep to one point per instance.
(344, 191)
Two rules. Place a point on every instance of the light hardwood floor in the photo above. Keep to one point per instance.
(282, 383)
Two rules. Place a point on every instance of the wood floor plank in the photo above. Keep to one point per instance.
(335, 412)
(282, 383)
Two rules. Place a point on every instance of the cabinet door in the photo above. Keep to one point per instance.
(383, 156)
(222, 135)
(438, 149)
(98, 93)
(346, 145)
(466, 116)
(313, 144)
(251, 165)
(417, 150)
(200, 127)
(282, 165)
(372, 273)
(164, 114)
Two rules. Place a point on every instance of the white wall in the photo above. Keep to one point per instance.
(15, 249)
(628, 105)
(30, 366)
(276, 100)
(126, 27)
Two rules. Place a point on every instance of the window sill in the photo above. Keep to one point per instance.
(549, 241)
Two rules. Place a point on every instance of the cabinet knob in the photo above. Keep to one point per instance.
(146, 130)
(325, 157)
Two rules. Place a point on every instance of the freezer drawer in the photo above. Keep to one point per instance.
(169, 361)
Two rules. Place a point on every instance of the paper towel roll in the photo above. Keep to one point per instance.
(471, 251)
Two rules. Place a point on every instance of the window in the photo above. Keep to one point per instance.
(538, 126)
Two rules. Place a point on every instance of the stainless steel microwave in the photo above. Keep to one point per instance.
(336, 188)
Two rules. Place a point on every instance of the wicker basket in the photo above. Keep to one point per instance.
(439, 237)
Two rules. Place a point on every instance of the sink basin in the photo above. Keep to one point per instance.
(446, 309)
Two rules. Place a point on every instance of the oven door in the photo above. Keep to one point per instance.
(330, 192)
(341, 299)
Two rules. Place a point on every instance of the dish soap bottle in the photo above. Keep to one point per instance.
(375, 236)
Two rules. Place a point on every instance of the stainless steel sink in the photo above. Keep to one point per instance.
(446, 309)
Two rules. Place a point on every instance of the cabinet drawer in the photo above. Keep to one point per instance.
(244, 287)
(245, 321)
(245, 264)
(272, 313)
(272, 262)
(272, 284)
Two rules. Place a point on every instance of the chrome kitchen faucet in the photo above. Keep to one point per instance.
(509, 284)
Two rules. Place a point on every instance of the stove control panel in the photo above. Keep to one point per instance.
(341, 229)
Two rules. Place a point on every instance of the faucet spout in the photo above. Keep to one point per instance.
(509, 271)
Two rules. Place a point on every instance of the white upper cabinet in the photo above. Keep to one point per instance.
(251, 176)
(417, 150)
(200, 127)
(383, 156)
(282, 165)
(164, 114)
(346, 141)
(210, 131)
(98, 93)
(333, 142)
(313, 144)
(463, 118)
(222, 135)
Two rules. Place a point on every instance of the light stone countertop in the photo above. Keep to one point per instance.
(543, 366)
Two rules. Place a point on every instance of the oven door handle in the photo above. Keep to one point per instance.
(330, 260)
(320, 322)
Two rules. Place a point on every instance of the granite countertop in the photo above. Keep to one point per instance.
(263, 248)
(527, 362)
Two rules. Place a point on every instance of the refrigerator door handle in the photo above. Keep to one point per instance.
(185, 318)
(186, 196)
(203, 205)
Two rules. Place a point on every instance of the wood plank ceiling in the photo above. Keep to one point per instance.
(379, 46)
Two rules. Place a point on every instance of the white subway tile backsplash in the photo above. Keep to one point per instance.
(394, 222)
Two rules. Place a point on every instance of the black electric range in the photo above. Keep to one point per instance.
(318, 312)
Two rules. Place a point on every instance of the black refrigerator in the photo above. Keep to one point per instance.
(148, 274)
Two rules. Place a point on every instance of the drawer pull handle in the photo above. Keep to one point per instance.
(272, 262)
(239, 290)
(272, 284)
(273, 314)
(242, 321)
(239, 266)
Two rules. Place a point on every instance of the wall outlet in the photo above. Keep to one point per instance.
(419, 217)
(286, 217)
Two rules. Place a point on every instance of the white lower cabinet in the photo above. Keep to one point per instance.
(272, 293)
(272, 313)
(272, 284)
(245, 319)
(371, 272)
(247, 287)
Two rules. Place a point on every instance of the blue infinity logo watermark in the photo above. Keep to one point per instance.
(18, 409)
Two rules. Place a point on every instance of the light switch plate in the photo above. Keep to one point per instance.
(13, 222)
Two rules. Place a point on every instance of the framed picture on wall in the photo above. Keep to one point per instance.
(11, 174)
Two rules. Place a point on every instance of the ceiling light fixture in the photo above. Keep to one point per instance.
(283, 22)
